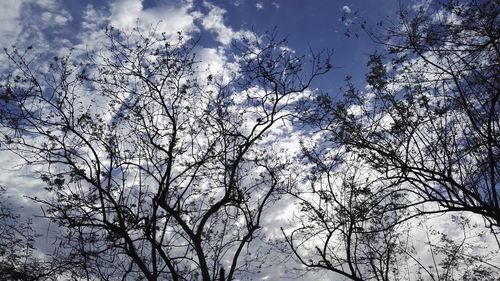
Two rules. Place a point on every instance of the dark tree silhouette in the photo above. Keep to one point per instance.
(434, 123)
(158, 170)
(426, 134)
(430, 121)
(18, 260)
(348, 227)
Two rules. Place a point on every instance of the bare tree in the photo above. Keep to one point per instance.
(430, 120)
(19, 259)
(350, 222)
(426, 132)
(353, 223)
(158, 170)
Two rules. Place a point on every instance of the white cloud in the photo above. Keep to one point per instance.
(346, 9)
(9, 21)
(125, 13)
(171, 18)
(31, 22)
(91, 18)
(214, 21)
(48, 4)
(259, 5)
(276, 5)
(54, 19)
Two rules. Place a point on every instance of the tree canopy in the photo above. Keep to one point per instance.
(156, 167)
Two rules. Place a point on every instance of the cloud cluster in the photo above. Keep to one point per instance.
(169, 18)
(33, 22)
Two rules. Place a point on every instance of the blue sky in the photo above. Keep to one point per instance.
(316, 24)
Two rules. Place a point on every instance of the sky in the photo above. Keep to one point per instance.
(318, 24)
(53, 25)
